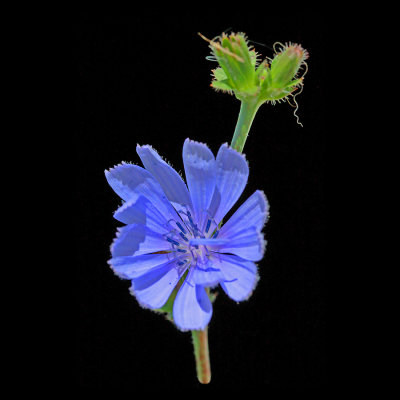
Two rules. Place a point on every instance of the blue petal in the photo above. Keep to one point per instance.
(199, 165)
(153, 288)
(192, 307)
(252, 213)
(206, 274)
(240, 275)
(131, 181)
(142, 212)
(248, 244)
(232, 175)
(127, 267)
(171, 182)
(138, 239)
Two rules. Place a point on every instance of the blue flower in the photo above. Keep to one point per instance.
(172, 229)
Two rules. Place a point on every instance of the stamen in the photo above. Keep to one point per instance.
(215, 234)
(191, 226)
(208, 225)
(183, 237)
(181, 250)
(181, 227)
(182, 265)
(190, 218)
(195, 229)
(172, 241)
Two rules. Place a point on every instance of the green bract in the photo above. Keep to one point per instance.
(241, 73)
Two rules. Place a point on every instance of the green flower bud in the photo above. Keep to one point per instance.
(280, 79)
(286, 64)
(237, 65)
(240, 72)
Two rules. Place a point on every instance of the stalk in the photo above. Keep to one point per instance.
(248, 110)
(201, 354)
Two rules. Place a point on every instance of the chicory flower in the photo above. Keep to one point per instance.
(173, 233)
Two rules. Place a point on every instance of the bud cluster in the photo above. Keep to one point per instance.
(241, 73)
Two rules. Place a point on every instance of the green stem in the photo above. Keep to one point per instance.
(248, 110)
(201, 354)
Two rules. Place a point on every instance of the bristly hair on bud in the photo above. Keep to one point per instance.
(303, 53)
(237, 62)
(285, 68)
(242, 73)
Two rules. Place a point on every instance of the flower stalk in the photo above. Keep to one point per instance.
(248, 110)
(202, 357)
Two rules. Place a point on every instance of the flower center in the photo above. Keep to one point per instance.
(182, 231)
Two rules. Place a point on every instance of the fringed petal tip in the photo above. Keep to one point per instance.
(224, 146)
(118, 233)
(116, 166)
(140, 302)
(229, 158)
(262, 245)
(193, 327)
(194, 142)
(256, 280)
(233, 150)
(245, 296)
(194, 151)
(200, 327)
(141, 149)
(110, 262)
(264, 201)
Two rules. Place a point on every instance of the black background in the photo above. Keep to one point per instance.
(143, 78)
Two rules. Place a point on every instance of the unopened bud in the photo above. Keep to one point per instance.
(286, 64)
(237, 65)
(280, 79)
(241, 73)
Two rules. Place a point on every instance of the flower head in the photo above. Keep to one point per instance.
(173, 234)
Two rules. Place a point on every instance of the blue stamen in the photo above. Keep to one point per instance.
(208, 225)
(192, 226)
(172, 241)
(215, 234)
(183, 236)
(190, 218)
(181, 250)
(181, 227)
